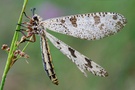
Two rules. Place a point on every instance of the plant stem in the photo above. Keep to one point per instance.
(13, 47)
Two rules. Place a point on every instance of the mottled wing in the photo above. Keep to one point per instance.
(82, 62)
(91, 26)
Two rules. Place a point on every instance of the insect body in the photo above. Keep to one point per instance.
(91, 26)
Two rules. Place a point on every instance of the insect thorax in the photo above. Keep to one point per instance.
(37, 25)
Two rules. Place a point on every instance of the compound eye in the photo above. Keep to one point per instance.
(35, 18)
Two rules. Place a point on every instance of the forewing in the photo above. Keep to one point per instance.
(91, 26)
(82, 62)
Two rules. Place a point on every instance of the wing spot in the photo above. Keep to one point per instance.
(57, 20)
(115, 17)
(58, 42)
(73, 21)
(91, 14)
(88, 15)
(97, 19)
(82, 15)
(72, 52)
(101, 26)
(88, 62)
(62, 21)
(119, 24)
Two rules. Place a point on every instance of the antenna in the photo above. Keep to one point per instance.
(33, 11)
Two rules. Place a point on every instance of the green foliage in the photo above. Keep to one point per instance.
(115, 53)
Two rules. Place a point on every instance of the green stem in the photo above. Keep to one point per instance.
(13, 47)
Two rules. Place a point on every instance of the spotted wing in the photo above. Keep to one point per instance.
(82, 62)
(91, 26)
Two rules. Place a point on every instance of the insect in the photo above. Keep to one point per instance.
(91, 26)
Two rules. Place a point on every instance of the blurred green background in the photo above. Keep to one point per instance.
(115, 53)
